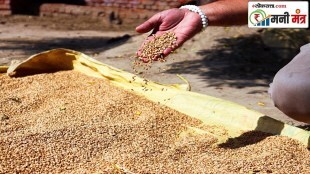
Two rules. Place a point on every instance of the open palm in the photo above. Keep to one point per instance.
(184, 23)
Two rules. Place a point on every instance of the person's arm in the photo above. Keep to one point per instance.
(185, 24)
(226, 12)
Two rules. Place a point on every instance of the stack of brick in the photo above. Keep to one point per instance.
(108, 15)
(5, 8)
(51, 9)
(114, 11)
(138, 4)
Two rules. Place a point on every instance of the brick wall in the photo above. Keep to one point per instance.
(114, 11)
(139, 4)
(110, 15)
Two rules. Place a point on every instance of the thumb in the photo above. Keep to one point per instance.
(150, 24)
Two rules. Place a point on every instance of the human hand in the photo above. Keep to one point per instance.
(184, 23)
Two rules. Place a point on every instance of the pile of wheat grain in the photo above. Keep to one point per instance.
(71, 123)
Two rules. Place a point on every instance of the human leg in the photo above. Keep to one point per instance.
(290, 89)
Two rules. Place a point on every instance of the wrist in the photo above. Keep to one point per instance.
(197, 10)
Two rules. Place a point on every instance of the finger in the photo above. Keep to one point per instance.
(153, 22)
(177, 45)
(148, 39)
(154, 32)
(168, 51)
(145, 60)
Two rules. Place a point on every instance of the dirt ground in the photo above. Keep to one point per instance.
(232, 63)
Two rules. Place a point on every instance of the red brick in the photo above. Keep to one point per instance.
(4, 1)
(5, 7)
(5, 12)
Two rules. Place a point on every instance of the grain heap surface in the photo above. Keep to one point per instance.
(67, 122)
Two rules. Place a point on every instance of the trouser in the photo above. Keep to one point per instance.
(290, 89)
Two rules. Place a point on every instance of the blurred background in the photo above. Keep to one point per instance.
(233, 63)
